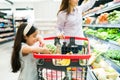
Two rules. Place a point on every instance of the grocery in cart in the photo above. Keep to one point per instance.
(67, 61)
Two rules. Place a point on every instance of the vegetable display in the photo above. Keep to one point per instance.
(114, 17)
(113, 55)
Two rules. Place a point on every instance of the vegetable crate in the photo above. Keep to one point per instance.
(64, 66)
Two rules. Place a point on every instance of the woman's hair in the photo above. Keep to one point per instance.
(15, 59)
(65, 6)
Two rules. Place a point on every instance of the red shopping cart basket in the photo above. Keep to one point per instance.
(75, 70)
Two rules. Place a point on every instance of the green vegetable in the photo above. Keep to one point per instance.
(114, 17)
(52, 48)
(102, 35)
(113, 54)
(91, 32)
(101, 30)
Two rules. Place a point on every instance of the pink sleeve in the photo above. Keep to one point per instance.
(61, 19)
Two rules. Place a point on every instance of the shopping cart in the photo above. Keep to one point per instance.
(75, 70)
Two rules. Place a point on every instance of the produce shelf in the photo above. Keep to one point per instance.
(97, 39)
(91, 75)
(114, 45)
(112, 64)
(107, 8)
(110, 6)
(90, 14)
(103, 44)
(103, 25)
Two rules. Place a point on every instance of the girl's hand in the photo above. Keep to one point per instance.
(42, 44)
(45, 51)
(41, 41)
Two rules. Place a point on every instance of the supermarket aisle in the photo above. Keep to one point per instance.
(5, 68)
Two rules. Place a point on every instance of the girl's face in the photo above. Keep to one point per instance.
(30, 40)
(73, 2)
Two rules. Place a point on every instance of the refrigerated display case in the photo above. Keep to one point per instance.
(102, 27)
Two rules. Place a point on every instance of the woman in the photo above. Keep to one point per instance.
(69, 19)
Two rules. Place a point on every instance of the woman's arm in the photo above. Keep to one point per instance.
(87, 5)
(61, 20)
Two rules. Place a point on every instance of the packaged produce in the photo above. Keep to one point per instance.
(89, 20)
(52, 48)
(114, 17)
(102, 19)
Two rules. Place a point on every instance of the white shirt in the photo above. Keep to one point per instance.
(28, 66)
(71, 25)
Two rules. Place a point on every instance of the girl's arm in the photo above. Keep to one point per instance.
(30, 49)
(87, 5)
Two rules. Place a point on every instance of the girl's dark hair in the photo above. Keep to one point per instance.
(65, 6)
(15, 59)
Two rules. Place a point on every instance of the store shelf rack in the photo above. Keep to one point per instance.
(2, 14)
(114, 44)
(21, 20)
(90, 74)
(106, 8)
(112, 64)
(7, 32)
(103, 25)
(109, 44)
(115, 47)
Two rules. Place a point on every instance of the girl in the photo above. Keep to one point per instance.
(69, 18)
(22, 57)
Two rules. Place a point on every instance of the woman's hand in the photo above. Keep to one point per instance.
(61, 36)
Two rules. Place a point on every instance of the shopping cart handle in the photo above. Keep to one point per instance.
(61, 56)
(64, 56)
(66, 37)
